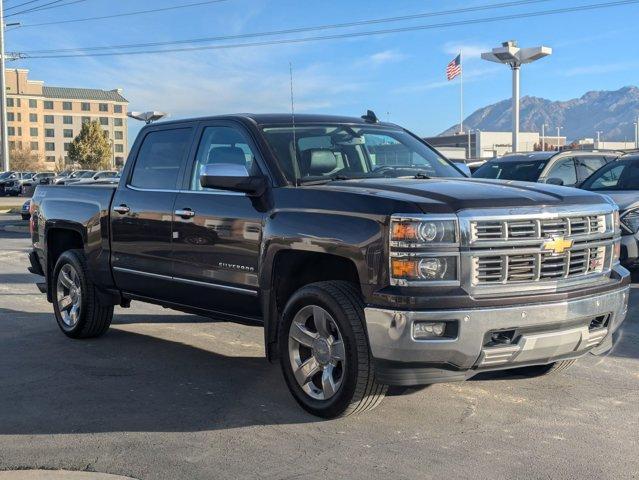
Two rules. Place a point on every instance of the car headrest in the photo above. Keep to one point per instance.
(318, 161)
(234, 155)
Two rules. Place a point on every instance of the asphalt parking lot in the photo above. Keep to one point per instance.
(165, 395)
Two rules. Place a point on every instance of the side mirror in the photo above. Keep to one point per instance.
(555, 181)
(232, 177)
(44, 181)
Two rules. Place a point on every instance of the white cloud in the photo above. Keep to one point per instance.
(470, 76)
(386, 56)
(470, 51)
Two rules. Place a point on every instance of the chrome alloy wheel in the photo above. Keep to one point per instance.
(69, 295)
(316, 351)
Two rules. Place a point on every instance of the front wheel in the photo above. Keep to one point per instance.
(75, 301)
(324, 351)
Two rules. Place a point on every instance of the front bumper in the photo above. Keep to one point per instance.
(541, 333)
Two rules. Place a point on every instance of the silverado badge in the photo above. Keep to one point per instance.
(557, 245)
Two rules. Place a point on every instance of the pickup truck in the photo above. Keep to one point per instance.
(369, 259)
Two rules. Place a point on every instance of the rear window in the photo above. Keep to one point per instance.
(524, 170)
(160, 158)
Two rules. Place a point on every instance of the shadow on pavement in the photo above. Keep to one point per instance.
(127, 381)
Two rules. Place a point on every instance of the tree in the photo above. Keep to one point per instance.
(91, 148)
(23, 160)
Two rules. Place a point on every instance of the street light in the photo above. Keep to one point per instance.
(558, 136)
(543, 136)
(599, 132)
(513, 56)
(147, 117)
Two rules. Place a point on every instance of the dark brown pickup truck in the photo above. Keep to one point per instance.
(369, 258)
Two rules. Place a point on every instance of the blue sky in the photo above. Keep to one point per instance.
(400, 76)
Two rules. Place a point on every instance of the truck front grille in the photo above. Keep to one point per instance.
(531, 267)
(530, 229)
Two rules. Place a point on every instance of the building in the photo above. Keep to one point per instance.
(45, 119)
(480, 144)
(593, 144)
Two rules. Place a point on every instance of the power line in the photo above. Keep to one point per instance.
(46, 6)
(22, 4)
(125, 14)
(297, 30)
(541, 13)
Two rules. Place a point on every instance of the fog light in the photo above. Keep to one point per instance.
(428, 329)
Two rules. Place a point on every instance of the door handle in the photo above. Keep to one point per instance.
(121, 209)
(185, 213)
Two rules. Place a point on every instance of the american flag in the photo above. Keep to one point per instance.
(454, 68)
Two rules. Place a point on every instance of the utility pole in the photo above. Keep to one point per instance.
(543, 137)
(468, 154)
(599, 132)
(558, 137)
(4, 142)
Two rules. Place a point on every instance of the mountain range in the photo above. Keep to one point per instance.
(611, 112)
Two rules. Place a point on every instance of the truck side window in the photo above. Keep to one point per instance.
(160, 158)
(222, 145)
(565, 170)
(588, 165)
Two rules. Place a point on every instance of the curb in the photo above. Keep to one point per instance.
(57, 475)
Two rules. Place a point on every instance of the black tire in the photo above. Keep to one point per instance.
(359, 390)
(541, 370)
(94, 318)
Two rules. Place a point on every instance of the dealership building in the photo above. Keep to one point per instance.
(45, 119)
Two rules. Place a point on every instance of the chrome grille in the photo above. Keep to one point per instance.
(532, 228)
(532, 267)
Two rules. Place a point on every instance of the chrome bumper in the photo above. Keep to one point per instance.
(546, 333)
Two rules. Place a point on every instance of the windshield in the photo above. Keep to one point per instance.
(525, 170)
(4, 175)
(326, 152)
(620, 175)
(86, 174)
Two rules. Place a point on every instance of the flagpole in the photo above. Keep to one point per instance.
(461, 94)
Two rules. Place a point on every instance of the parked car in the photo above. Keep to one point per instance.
(64, 179)
(102, 174)
(6, 182)
(567, 167)
(620, 181)
(25, 211)
(41, 178)
(77, 177)
(369, 259)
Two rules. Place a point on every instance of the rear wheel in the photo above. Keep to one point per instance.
(324, 352)
(75, 301)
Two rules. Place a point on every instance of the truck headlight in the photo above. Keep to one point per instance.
(424, 269)
(630, 220)
(413, 232)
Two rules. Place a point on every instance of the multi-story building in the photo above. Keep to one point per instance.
(45, 119)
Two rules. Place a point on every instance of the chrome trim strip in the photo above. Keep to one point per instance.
(218, 286)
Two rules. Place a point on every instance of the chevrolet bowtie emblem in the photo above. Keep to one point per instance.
(557, 245)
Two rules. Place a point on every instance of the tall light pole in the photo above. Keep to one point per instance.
(513, 56)
(558, 137)
(599, 132)
(543, 137)
(4, 142)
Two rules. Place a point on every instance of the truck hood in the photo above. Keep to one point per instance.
(452, 194)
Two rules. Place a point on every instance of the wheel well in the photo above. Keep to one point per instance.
(59, 241)
(294, 269)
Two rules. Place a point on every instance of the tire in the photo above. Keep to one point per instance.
(71, 283)
(339, 387)
(542, 370)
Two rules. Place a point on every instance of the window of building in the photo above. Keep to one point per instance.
(117, 108)
(86, 119)
(118, 122)
(48, 119)
(20, 132)
(104, 121)
(33, 131)
(12, 145)
(104, 107)
(49, 132)
(67, 133)
(10, 102)
(67, 106)
(34, 146)
(67, 119)
(66, 147)
(33, 117)
(48, 105)
(119, 135)
(49, 146)
(11, 117)
(33, 103)
(86, 107)
(119, 148)
(160, 158)
(50, 158)
(11, 131)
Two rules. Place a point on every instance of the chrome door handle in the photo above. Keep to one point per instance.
(121, 209)
(185, 213)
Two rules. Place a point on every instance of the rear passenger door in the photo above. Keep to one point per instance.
(216, 233)
(142, 212)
